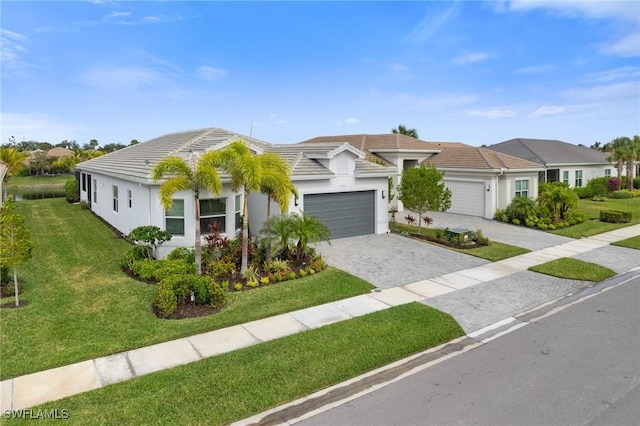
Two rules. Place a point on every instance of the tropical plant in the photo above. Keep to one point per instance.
(15, 241)
(421, 190)
(557, 198)
(14, 162)
(149, 237)
(277, 186)
(403, 130)
(521, 208)
(72, 191)
(197, 173)
(618, 150)
(308, 229)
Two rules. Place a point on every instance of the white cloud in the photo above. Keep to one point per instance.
(605, 93)
(12, 52)
(118, 14)
(599, 9)
(399, 67)
(351, 120)
(210, 73)
(534, 69)
(38, 127)
(622, 73)
(471, 58)
(547, 110)
(492, 113)
(434, 19)
(123, 78)
(627, 46)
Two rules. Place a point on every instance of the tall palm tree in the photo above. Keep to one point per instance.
(246, 171)
(402, 129)
(632, 154)
(197, 173)
(277, 186)
(14, 162)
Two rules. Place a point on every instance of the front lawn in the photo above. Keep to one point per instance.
(82, 306)
(233, 386)
(493, 252)
(574, 269)
(592, 225)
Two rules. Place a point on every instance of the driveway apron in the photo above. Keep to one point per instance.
(390, 260)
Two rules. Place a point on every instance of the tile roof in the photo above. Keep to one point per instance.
(550, 152)
(136, 162)
(470, 157)
(373, 143)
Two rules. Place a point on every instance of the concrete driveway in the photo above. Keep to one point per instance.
(390, 260)
(520, 236)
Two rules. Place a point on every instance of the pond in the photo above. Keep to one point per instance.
(21, 193)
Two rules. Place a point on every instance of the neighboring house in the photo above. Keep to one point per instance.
(58, 152)
(562, 161)
(119, 188)
(480, 180)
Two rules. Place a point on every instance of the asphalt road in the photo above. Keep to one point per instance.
(579, 366)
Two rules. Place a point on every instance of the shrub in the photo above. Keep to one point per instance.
(168, 267)
(636, 182)
(132, 255)
(165, 300)
(597, 186)
(613, 184)
(303, 273)
(237, 286)
(501, 215)
(515, 221)
(217, 294)
(150, 237)
(410, 219)
(5, 276)
(183, 285)
(181, 253)
(279, 265)
(72, 191)
(253, 283)
(479, 238)
(583, 192)
(572, 217)
(599, 199)
(264, 280)
(622, 194)
(520, 208)
(251, 274)
(615, 216)
(221, 268)
(146, 269)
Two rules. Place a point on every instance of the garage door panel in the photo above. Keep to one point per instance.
(466, 197)
(345, 213)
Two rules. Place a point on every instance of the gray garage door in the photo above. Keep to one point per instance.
(466, 197)
(345, 213)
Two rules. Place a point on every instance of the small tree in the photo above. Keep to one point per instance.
(557, 198)
(421, 190)
(15, 240)
(150, 237)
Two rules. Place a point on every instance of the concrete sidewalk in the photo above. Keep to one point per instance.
(50, 385)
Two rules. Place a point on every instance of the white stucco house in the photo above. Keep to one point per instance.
(481, 180)
(561, 161)
(334, 180)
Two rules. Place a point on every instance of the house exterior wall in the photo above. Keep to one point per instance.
(588, 172)
(146, 208)
(507, 187)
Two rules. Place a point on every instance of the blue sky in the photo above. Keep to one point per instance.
(474, 72)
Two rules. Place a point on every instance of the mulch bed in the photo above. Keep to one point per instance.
(10, 305)
(467, 246)
(7, 290)
(189, 310)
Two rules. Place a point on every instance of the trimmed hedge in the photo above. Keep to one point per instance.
(615, 216)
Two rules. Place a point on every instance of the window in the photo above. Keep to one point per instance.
(129, 197)
(84, 182)
(115, 198)
(238, 211)
(212, 211)
(565, 177)
(95, 191)
(174, 218)
(578, 178)
(607, 172)
(522, 188)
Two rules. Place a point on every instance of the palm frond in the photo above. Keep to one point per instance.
(172, 165)
(170, 187)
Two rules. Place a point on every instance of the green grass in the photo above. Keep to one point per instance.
(236, 385)
(82, 306)
(31, 181)
(633, 242)
(493, 252)
(574, 269)
(592, 225)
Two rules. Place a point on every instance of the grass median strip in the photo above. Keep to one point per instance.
(236, 385)
(82, 306)
(494, 252)
(633, 242)
(574, 269)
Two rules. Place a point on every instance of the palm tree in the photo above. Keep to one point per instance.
(402, 129)
(198, 173)
(618, 149)
(14, 162)
(246, 171)
(308, 229)
(632, 154)
(276, 185)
